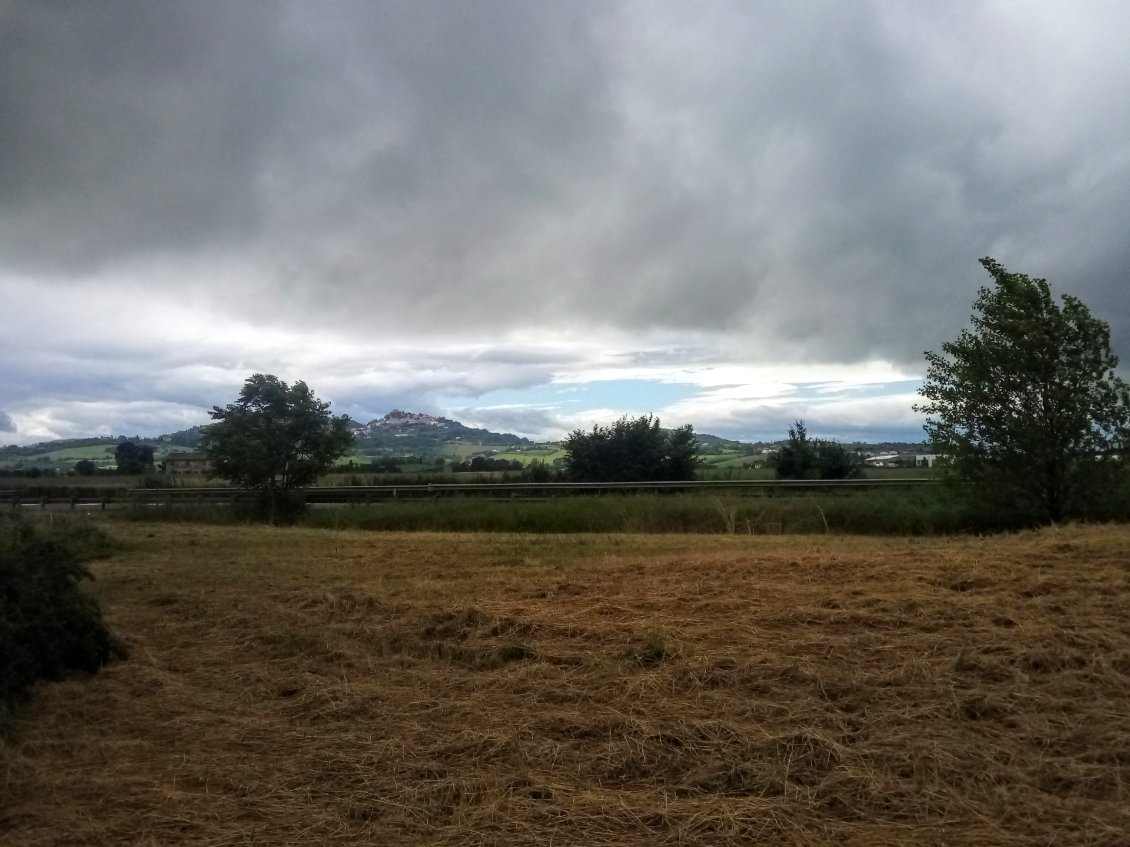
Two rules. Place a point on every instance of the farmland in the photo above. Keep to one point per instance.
(308, 686)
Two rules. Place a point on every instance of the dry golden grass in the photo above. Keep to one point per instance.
(309, 687)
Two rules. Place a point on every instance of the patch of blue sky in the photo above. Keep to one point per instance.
(821, 390)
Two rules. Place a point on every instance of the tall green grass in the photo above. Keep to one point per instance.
(879, 513)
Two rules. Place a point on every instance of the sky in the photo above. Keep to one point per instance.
(539, 216)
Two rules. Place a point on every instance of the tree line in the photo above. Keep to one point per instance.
(1025, 407)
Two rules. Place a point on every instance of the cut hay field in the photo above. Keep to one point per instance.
(317, 687)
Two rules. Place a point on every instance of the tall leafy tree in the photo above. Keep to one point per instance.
(1026, 404)
(274, 438)
(631, 450)
(835, 461)
(796, 458)
(133, 458)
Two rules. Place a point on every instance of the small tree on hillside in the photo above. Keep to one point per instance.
(631, 450)
(803, 458)
(274, 438)
(133, 458)
(835, 461)
(796, 459)
(1026, 405)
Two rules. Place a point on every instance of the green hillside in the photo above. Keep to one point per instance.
(401, 439)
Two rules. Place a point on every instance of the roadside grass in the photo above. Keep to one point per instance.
(915, 512)
(63, 486)
(305, 686)
(933, 511)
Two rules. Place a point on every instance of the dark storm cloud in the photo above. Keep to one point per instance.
(465, 133)
(132, 127)
(6, 424)
(803, 181)
(879, 149)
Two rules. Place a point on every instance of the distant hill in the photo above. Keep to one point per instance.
(396, 419)
(717, 444)
(416, 433)
(397, 434)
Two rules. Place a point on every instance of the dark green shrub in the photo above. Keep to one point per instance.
(282, 507)
(48, 624)
(803, 458)
(631, 450)
(150, 479)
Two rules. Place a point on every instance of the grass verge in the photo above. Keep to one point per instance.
(934, 511)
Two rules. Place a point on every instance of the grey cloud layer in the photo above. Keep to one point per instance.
(810, 181)
(132, 127)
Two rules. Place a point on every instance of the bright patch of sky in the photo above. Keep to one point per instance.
(632, 396)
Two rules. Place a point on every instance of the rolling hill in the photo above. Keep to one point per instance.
(398, 434)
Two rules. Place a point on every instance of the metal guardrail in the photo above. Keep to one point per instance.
(360, 494)
(517, 490)
(686, 485)
(19, 501)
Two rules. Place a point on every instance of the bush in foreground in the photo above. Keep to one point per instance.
(48, 624)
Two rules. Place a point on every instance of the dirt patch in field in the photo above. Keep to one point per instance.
(310, 687)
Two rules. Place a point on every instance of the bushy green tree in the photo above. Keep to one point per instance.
(538, 471)
(631, 450)
(133, 458)
(275, 438)
(835, 461)
(803, 458)
(1026, 406)
(796, 458)
(84, 467)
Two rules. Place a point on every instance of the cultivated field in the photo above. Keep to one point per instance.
(318, 687)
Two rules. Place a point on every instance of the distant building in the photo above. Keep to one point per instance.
(883, 460)
(187, 463)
